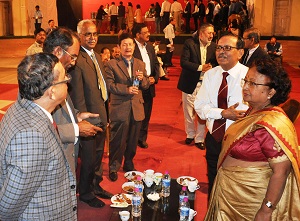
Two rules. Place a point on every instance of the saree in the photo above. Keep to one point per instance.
(238, 192)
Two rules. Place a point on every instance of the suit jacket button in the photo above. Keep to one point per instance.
(73, 154)
(74, 208)
(73, 187)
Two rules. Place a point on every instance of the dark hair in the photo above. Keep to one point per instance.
(279, 79)
(129, 4)
(37, 6)
(239, 43)
(137, 27)
(62, 37)
(38, 30)
(138, 6)
(204, 26)
(50, 21)
(125, 36)
(35, 75)
(253, 33)
(121, 3)
(102, 49)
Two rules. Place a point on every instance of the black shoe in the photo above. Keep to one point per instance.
(125, 169)
(164, 78)
(103, 193)
(189, 140)
(113, 176)
(200, 145)
(95, 202)
(142, 144)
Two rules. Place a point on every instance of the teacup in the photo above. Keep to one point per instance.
(193, 186)
(148, 181)
(192, 214)
(124, 215)
(149, 172)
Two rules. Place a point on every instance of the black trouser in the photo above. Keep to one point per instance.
(114, 23)
(165, 20)
(148, 103)
(213, 149)
(37, 25)
(169, 55)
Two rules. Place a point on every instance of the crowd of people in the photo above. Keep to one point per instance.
(232, 87)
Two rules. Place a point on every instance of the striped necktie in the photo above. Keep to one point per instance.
(101, 83)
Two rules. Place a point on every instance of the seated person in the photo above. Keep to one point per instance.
(274, 49)
(37, 46)
(51, 27)
(160, 55)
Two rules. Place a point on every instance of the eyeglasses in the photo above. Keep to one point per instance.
(90, 34)
(248, 38)
(225, 48)
(64, 81)
(73, 57)
(251, 83)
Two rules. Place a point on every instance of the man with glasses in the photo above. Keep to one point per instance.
(146, 53)
(36, 180)
(219, 100)
(64, 44)
(253, 51)
(88, 92)
(198, 56)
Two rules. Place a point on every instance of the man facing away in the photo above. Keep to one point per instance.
(36, 182)
(126, 77)
(88, 92)
(176, 10)
(146, 53)
(219, 100)
(253, 51)
(198, 56)
(37, 46)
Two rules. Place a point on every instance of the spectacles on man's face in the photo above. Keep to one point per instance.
(251, 83)
(225, 48)
(73, 57)
(90, 34)
(247, 38)
(64, 81)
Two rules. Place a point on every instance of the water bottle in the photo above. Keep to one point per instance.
(138, 183)
(166, 183)
(136, 82)
(165, 205)
(136, 203)
(184, 210)
(183, 194)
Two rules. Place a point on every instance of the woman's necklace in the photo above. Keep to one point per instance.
(250, 110)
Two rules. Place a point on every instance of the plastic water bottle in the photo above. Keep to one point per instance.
(183, 194)
(166, 183)
(184, 210)
(138, 183)
(136, 203)
(165, 205)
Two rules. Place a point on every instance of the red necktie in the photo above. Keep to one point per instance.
(55, 126)
(218, 130)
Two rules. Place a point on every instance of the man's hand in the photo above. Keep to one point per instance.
(152, 80)
(87, 129)
(232, 114)
(84, 115)
(206, 67)
(133, 90)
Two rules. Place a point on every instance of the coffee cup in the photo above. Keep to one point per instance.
(149, 172)
(124, 215)
(157, 177)
(148, 181)
(193, 186)
(192, 213)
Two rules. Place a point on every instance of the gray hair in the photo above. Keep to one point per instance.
(82, 23)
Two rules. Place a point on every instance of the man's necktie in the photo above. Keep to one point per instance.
(246, 58)
(129, 68)
(101, 82)
(218, 130)
(55, 126)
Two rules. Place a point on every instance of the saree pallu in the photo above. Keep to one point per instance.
(238, 192)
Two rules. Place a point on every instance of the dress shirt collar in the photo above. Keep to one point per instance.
(202, 45)
(140, 45)
(46, 112)
(234, 72)
(89, 52)
(126, 61)
(251, 51)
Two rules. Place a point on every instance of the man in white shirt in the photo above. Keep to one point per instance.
(169, 37)
(37, 46)
(165, 13)
(38, 16)
(113, 13)
(176, 10)
(208, 101)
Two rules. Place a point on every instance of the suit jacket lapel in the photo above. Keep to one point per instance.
(123, 67)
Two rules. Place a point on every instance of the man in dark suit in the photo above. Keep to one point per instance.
(146, 53)
(126, 77)
(187, 13)
(88, 92)
(198, 56)
(251, 38)
(33, 167)
(64, 44)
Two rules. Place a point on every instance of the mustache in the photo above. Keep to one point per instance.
(222, 55)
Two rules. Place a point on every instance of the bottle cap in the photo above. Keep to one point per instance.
(136, 189)
(185, 199)
(139, 178)
(184, 188)
(167, 172)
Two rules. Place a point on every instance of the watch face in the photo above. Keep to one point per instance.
(269, 204)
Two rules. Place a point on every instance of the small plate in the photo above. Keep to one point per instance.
(153, 196)
(119, 205)
(132, 175)
(183, 180)
(121, 198)
(128, 187)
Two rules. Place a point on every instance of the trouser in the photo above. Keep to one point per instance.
(194, 126)
(213, 149)
(187, 25)
(169, 54)
(91, 154)
(123, 142)
(165, 19)
(177, 16)
(37, 25)
(157, 24)
(113, 22)
(148, 103)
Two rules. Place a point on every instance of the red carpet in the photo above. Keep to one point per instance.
(167, 150)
